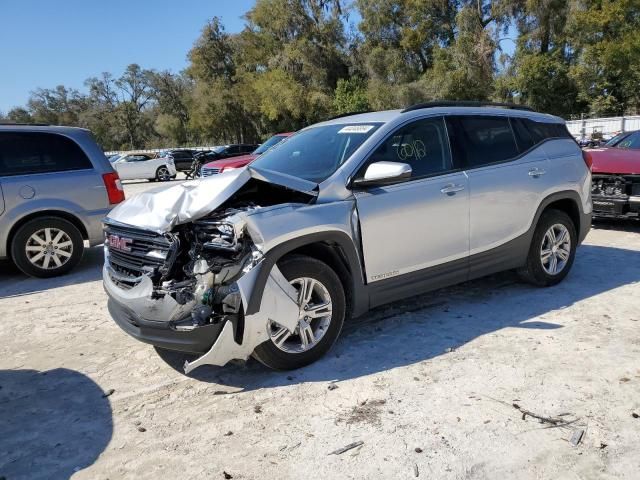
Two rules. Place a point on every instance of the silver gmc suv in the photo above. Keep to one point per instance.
(346, 215)
(56, 186)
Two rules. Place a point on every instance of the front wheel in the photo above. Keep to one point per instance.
(321, 300)
(552, 251)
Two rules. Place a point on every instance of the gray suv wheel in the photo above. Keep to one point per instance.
(47, 247)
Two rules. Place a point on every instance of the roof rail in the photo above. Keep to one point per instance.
(465, 103)
(348, 114)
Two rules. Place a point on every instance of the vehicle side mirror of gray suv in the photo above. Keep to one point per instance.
(384, 173)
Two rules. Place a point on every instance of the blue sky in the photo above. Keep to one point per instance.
(44, 43)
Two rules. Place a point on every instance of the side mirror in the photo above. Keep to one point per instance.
(384, 173)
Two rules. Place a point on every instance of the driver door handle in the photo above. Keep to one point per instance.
(451, 189)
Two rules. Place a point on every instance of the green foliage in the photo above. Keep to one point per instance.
(350, 96)
(300, 61)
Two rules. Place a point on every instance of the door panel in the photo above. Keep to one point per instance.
(503, 199)
(125, 170)
(414, 225)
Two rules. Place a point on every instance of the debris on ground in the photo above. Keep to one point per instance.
(108, 393)
(418, 450)
(576, 437)
(228, 434)
(416, 473)
(346, 448)
(257, 409)
(450, 349)
(142, 429)
(603, 445)
(555, 421)
(228, 476)
(635, 415)
(332, 386)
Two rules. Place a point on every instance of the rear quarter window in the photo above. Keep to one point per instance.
(23, 153)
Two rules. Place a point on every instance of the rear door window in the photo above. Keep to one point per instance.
(23, 153)
(482, 140)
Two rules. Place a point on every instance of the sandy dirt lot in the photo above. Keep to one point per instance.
(428, 385)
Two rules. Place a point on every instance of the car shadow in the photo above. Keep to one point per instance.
(424, 327)
(53, 423)
(14, 283)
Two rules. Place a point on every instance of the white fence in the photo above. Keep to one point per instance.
(588, 126)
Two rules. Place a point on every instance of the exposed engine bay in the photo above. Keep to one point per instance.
(616, 195)
(199, 274)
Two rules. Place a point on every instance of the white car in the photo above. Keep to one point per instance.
(144, 166)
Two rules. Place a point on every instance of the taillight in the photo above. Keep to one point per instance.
(115, 192)
(588, 159)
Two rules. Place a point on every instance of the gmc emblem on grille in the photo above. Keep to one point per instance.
(119, 243)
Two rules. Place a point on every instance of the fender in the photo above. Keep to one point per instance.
(360, 296)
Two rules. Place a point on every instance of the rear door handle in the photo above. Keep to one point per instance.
(451, 189)
(536, 172)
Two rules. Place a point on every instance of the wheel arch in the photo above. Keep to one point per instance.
(336, 249)
(568, 202)
(47, 213)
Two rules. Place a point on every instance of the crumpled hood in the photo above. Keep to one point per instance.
(161, 209)
(615, 160)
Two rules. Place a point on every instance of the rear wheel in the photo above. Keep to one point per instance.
(162, 174)
(552, 249)
(321, 301)
(47, 247)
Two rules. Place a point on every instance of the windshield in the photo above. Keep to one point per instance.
(218, 149)
(268, 144)
(316, 153)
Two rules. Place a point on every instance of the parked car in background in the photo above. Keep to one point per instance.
(56, 185)
(138, 166)
(615, 187)
(270, 260)
(227, 151)
(182, 158)
(219, 166)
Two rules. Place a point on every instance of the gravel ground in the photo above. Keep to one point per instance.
(428, 385)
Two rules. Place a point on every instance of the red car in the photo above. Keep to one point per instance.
(219, 166)
(615, 187)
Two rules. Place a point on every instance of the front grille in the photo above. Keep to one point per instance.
(134, 252)
(207, 171)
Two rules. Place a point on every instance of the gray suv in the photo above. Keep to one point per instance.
(56, 186)
(346, 215)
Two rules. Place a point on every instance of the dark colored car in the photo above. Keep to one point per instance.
(615, 186)
(220, 165)
(228, 151)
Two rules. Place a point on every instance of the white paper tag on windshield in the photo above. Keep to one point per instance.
(356, 129)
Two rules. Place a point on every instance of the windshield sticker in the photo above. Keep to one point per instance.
(356, 129)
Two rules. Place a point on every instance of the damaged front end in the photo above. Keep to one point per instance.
(616, 195)
(185, 285)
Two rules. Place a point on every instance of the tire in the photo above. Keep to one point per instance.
(62, 244)
(162, 174)
(538, 271)
(326, 284)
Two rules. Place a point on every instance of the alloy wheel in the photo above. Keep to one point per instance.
(555, 249)
(49, 248)
(163, 174)
(315, 312)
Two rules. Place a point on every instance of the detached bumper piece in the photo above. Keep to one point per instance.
(616, 196)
